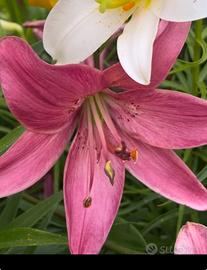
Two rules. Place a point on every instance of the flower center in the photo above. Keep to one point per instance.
(103, 138)
(126, 5)
(99, 117)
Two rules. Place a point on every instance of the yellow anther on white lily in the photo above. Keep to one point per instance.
(125, 4)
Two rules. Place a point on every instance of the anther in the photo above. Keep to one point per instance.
(134, 155)
(109, 171)
(129, 6)
(87, 202)
(122, 153)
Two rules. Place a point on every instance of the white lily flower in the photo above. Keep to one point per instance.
(75, 29)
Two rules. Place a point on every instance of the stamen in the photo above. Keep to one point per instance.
(107, 118)
(87, 202)
(98, 124)
(91, 146)
(134, 155)
(109, 171)
(123, 154)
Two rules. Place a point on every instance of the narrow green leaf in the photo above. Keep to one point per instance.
(10, 138)
(19, 237)
(202, 175)
(10, 210)
(37, 212)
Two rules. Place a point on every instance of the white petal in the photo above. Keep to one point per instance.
(135, 45)
(180, 10)
(75, 29)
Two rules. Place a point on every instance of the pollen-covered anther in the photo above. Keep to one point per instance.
(122, 153)
(134, 155)
(109, 171)
(87, 202)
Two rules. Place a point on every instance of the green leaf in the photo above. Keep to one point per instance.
(10, 210)
(183, 65)
(19, 237)
(37, 212)
(10, 138)
(39, 49)
(202, 175)
(158, 221)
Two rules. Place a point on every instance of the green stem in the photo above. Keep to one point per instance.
(56, 173)
(9, 5)
(197, 55)
(181, 211)
(195, 217)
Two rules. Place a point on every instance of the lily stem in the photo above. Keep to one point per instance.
(197, 54)
(181, 211)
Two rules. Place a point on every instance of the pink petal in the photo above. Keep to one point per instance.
(37, 27)
(165, 173)
(35, 24)
(162, 118)
(29, 159)
(167, 47)
(192, 239)
(43, 97)
(88, 227)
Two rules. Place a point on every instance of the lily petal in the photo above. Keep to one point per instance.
(43, 97)
(192, 239)
(29, 159)
(180, 11)
(88, 227)
(37, 27)
(76, 29)
(165, 173)
(162, 118)
(161, 62)
(135, 46)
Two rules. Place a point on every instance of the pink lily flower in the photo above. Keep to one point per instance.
(37, 27)
(133, 130)
(192, 239)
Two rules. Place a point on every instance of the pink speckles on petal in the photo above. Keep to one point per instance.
(36, 91)
(162, 118)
